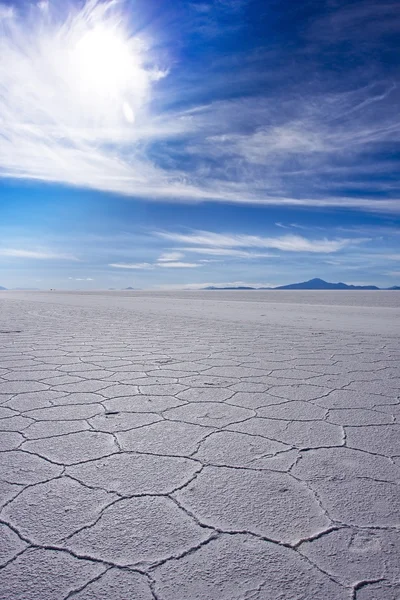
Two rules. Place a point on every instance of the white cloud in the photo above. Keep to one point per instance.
(179, 265)
(146, 266)
(35, 254)
(227, 252)
(392, 257)
(131, 265)
(288, 243)
(170, 256)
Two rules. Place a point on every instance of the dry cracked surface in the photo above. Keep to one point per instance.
(167, 457)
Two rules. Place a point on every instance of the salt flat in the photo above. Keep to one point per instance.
(199, 445)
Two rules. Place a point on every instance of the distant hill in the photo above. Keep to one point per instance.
(320, 284)
(2, 288)
(312, 284)
(129, 288)
(243, 287)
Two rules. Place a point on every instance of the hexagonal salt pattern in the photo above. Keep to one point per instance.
(166, 457)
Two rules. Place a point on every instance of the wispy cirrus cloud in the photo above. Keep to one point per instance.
(287, 243)
(137, 266)
(77, 86)
(223, 252)
(35, 254)
(170, 256)
(172, 264)
(179, 265)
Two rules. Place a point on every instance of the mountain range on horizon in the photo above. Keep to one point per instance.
(311, 284)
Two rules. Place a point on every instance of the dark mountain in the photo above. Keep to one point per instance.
(213, 287)
(320, 284)
(129, 288)
(2, 288)
(394, 287)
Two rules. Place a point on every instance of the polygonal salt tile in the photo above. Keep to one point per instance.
(10, 440)
(205, 395)
(167, 389)
(91, 374)
(168, 372)
(228, 448)
(381, 439)
(34, 375)
(353, 555)
(291, 373)
(254, 400)
(10, 546)
(147, 380)
(195, 367)
(62, 379)
(358, 416)
(302, 434)
(141, 404)
(46, 352)
(25, 469)
(249, 387)
(73, 448)
(304, 392)
(49, 512)
(207, 381)
(6, 412)
(347, 399)
(270, 504)
(90, 385)
(212, 414)
(344, 463)
(119, 391)
(8, 491)
(382, 387)
(165, 437)
(139, 530)
(31, 400)
(382, 590)
(122, 421)
(117, 584)
(237, 372)
(17, 423)
(241, 566)
(80, 366)
(19, 363)
(45, 574)
(360, 502)
(78, 398)
(66, 412)
(294, 410)
(126, 377)
(46, 429)
(18, 387)
(129, 473)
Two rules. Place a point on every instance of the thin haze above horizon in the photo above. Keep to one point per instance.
(195, 143)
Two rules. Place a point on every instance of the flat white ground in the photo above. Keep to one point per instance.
(199, 445)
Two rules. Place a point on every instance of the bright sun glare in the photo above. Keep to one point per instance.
(108, 69)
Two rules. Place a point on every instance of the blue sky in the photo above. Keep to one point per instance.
(182, 144)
